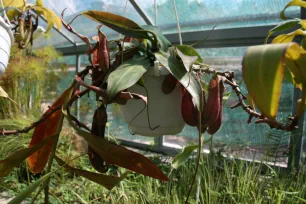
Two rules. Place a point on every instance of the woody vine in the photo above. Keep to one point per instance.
(264, 68)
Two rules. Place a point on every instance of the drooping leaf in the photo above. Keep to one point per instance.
(188, 61)
(287, 38)
(108, 182)
(50, 126)
(292, 3)
(126, 75)
(163, 41)
(282, 26)
(120, 156)
(118, 23)
(30, 189)
(181, 158)
(188, 80)
(7, 165)
(13, 3)
(190, 51)
(263, 72)
(5, 95)
(50, 16)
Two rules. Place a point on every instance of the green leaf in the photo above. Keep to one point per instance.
(108, 182)
(188, 61)
(118, 23)
(190, 51)
(287, 38)
(7, 165)
(163, 41)
(13, 3)
(126, 75)
(282, 26)
(292, 3)
(118, 155)
(30, 189)
(188, 80)
(181, 158)
(263, 72)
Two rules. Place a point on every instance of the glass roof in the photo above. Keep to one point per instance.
(194, 15)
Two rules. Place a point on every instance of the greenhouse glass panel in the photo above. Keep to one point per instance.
(195, 15)
(86, 26)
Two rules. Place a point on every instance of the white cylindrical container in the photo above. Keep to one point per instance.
(6, 41)
(164, 109)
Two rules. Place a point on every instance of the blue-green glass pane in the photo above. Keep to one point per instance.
(195, 15)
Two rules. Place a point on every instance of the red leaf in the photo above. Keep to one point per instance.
(46, 129)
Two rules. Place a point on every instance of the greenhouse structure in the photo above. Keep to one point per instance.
(75, 67)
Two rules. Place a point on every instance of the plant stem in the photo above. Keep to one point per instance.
(46, 189)
(198, 159)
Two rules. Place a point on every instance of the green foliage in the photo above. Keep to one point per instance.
(28, 79)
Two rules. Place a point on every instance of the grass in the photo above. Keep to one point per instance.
(220, 180)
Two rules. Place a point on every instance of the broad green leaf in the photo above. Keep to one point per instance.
(181, 158)
(282, 26)
(163, 41)
(30, 189)
(190, 51)
(303, 43)
(263, 72)
(108, 182)
(301, 3)
(118, 155)
(303, 24)
(7, 165)
(13, 3)
(287, 38)
(188, 80)
(118, 23)
(188, 61)
(126, 75)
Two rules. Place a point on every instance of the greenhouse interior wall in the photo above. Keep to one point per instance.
(239, 24)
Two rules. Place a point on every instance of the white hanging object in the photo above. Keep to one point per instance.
(6, 41)
(164, 109)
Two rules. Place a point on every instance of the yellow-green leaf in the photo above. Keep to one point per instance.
(12, 13)
(181, 158)
(300, 3)
(5, 95)
(287, 38)
(263, 72)
(50, 16)
(107, 181)
(39, 3)
(13, 3)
